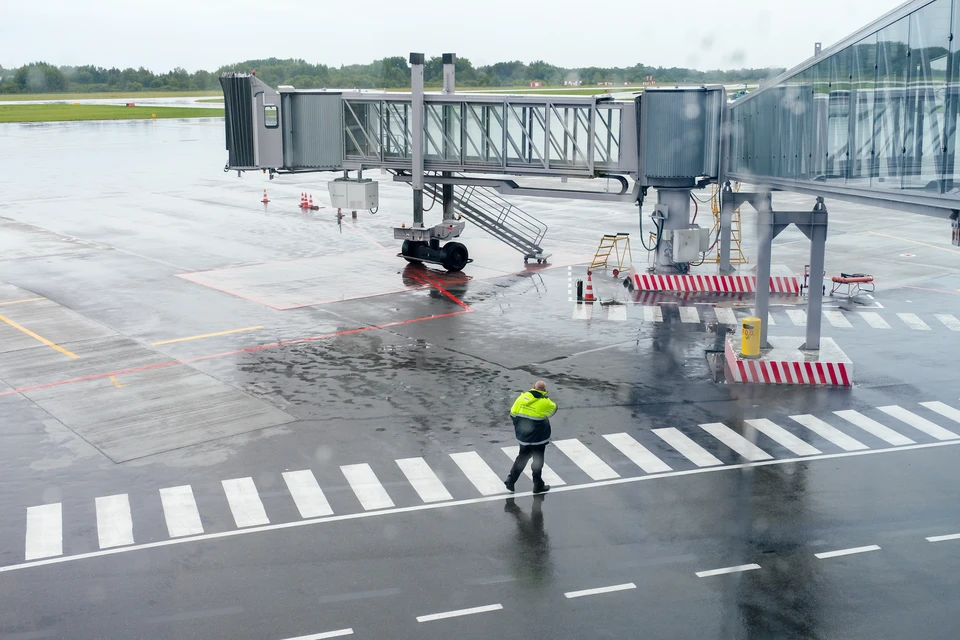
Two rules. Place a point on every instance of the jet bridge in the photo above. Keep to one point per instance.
(467, 148)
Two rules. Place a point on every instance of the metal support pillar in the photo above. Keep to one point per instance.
(818, 241)
(449, 87)
(416, 106)
(673, 205)
(765, 235)
(726, 219)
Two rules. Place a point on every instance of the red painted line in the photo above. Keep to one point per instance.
(786, 372)
(775, 367)
(799, 372)
(365, 236)
(442, 290)
(743, 371)
(833, 374)
(844, 376)
(272, 345)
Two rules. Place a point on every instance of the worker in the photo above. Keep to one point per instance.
(531, 414)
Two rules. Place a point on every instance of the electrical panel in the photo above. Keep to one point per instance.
(354, 195)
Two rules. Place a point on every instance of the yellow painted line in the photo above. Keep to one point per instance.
(3, 304)
(36, 337)
(208, 335)
(932, 246)
(116, 382)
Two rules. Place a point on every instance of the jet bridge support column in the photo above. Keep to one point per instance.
(726, 221)
(449, 87)
(673, 212)
(416, 106)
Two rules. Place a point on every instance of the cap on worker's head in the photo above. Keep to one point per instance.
(540, 386)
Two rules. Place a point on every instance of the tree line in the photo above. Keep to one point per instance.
(390, 73)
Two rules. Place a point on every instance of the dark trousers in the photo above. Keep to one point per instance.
(528, 451)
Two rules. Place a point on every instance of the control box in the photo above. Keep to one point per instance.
(354, 195)
(690, 243)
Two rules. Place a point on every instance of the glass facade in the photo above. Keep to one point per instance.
(876, 115)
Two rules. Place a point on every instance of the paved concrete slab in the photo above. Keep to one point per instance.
(48, 320)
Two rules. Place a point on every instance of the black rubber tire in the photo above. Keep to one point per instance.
(454, 256)
(408, 250)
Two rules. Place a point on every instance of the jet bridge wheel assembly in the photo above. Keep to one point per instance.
(453, 256)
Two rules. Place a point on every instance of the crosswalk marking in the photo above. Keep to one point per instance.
(874, 319)
(366, 486)
(735, 441)
(919, 422)
(652, 314)
(587, 460)
(180, 511)
(949, 321)
(549, 475)
(582, 311)
(307, 494)
(829, 432)
(424, 480)
(837, 319)
(913, 321)
(872, 426)
(244, 502)
(783, 437)
(687, 447)
(725, 315)
(770, 320)
(943, 409)
(638, 454)
(689, 314)
(798, 317)
(617, 313)
(114, 525)
(44, 531)
(479, 473)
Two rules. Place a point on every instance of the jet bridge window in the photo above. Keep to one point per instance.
(271, 116)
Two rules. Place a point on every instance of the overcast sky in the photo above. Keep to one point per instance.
(204, 34)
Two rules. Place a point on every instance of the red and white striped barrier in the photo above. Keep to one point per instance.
(834, 374)
(711, 283)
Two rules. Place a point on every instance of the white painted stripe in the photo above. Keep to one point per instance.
(599, 590)
(828, 432)
(366, 486)
(725, 316)
(720, 572)
(952, 536)
(846, 552)
(244, 502)
(949, 321)
(913, 321)
(548, 474)
(582, 311)
(114, 524)
(687, 447)
(783, 437)
(479, 473)
(459, 612)
(424, 481)
(872, 426)
(918, 422)
(44, 531)
(617, 313)
(339, 633)
(587, 460)
(798, 317)
(837, 319)
(943, 409)
(652, 314)
(180, 511)
(770, 320)
(689, 314)
(735, 441)
(293, 524)
(874, 319)
(638, 454)
(307, 494)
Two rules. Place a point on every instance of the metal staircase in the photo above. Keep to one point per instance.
(485, 208)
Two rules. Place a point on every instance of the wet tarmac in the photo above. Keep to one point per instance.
(162, 328)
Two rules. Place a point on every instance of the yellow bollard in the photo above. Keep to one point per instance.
(750, 341)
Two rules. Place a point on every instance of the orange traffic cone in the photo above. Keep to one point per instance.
(265, 199)
(588, 296)
(310, 205)
(303, 200)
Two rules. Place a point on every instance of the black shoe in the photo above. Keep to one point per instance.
(543, 488)
(510, 484)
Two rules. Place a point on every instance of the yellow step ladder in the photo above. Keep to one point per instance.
(736, 252)
(617, 245)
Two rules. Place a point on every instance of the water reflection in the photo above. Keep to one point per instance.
(531, 548)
